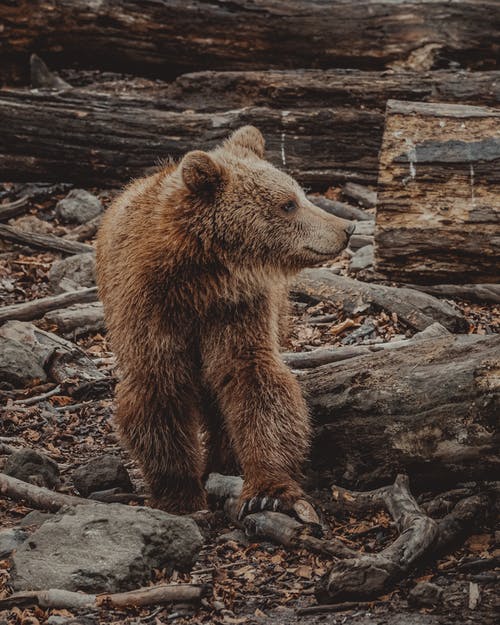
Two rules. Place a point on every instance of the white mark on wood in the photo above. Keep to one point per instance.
(472, 194)
(283, 138)
(474, 595)
(411, 154)
(283, 155)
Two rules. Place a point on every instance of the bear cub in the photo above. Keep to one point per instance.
(193, 264)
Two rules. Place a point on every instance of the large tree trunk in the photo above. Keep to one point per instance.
(169, 37)
(430, 409)
(438, 216)
(108, 132)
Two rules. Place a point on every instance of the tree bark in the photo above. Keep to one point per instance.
(173, 36)
(430, 409)
(438, 214)
(108, 132)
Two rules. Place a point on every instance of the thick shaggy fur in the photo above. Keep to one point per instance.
(193, 264)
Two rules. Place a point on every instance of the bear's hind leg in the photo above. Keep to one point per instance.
(163, 437)
(221, 457)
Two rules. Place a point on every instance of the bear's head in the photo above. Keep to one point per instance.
(250, 211)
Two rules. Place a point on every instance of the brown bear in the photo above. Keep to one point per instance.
(193, 264)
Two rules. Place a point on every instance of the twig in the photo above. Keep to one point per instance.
(37, 398)
(38, 307)
(152, 595)
(13, 209)
(37, 496)
(337, 607)
(43, 241)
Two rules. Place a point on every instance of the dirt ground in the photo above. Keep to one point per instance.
(251, 582)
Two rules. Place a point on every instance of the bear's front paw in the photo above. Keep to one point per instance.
(285, 497)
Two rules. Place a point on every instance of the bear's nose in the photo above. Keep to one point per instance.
(350, 229)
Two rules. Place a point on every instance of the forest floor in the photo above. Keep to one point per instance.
(252, 582)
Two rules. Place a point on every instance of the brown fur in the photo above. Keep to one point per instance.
(193, 265)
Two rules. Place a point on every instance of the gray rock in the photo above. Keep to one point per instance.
(32, 223)
(33, 467)
(78, 207)
(104, 548)
(102, 473)
(357, 241)
(365, 228)
(237, 536)
(18, 367)
(356, 336)
(35, 518)
(362, 259)
(72, 273)
(425, 594)
(11, 539)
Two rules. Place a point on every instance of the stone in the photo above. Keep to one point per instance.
(33, 467)
(72, 273)
(18, 367)
(35, 518)
(362, 259)
(102, 473)
(78, 207)
(357, 241)
(237, 536)
(11, 539)
(425, 594)
(365, 228)
(32, 223)
(104, 548)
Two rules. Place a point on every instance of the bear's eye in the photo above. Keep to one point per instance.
(289, 206)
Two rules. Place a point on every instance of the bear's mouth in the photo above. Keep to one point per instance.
(311, 249)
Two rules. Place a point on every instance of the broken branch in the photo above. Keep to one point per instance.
(152, 595)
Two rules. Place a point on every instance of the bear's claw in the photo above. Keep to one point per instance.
(258, 504)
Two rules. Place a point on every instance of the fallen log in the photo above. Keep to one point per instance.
(481, 293)
(13, 209)
(30, 354)
(87, 138)
(430, 408)
(76, 320)
(83, 135)
(42, 241)
(27, 311)
(438, 214)
(357, 574)
(289, 89)
(417, 310)
(69, 600)
(171, 37)
(36, 496)
(325, 355)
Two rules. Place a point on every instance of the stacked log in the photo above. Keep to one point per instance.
(321, 127)
(438, 216)
(168, 38)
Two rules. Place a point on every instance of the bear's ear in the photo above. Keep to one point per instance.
(248, 138)
(200, 173)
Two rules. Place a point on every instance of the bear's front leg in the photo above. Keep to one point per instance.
(267, 419)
